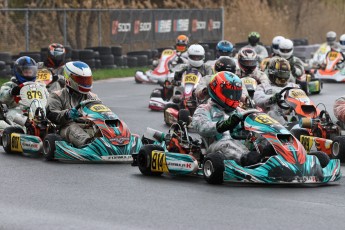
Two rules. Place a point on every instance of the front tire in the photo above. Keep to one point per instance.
(323, 158)
(338, 148)
(144, 159)
(213, 168)
(6, 138)
(49, 146)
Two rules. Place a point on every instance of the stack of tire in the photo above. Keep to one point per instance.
(105, 56)
(5, 64)
(119, 59)
(144, 58)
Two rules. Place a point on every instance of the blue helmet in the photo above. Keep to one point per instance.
(25, 69)
(224, 48)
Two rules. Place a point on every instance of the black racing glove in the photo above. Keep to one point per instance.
(228, 124)
(15, 90)
(274, 99)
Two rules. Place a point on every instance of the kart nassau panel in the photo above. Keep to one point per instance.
(100, 150)
(26, 144)
(311, 143)
(157, 103)
(301, 103)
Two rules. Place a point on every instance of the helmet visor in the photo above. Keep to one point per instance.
(249, 63)
(342, 42)
(281, 81)
(283, 74)
(181, 48)
(58, 53)
(28, 71)
(275, 46)
(232, 94)
(285, 50)
(224, 53)
(196, 57)
(84, 81)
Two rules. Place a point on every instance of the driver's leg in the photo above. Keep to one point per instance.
(276, 115)
(74, 134)
(232, 149)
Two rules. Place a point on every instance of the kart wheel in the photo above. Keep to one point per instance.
(213, 168)
(156, 93)
(338, 148)
(167, 106)
(6, 138)
(323, 158)
(144, 159)
(49, 146)
(299, 132)
(183, 115)
(137, 81)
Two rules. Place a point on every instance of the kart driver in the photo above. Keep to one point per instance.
(339, 109)
(217, 119)
(54, 62)
(254, 39)
(267, 95)
(25, 70)
(61, 104)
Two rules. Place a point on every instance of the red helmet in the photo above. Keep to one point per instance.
(225, 89)
(182, 43)
(56, 55)
(247, 60)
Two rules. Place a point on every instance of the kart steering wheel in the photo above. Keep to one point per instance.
(83, 103)
(281, 101)
(245, 114)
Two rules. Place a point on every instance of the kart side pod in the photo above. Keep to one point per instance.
(28, 145)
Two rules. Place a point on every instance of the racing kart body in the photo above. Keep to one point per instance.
(113, 141)
(161, 72)
(331, 70)
(26, 131)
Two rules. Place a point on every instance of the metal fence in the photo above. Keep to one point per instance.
(33, 29)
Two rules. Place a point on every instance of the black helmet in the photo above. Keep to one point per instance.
(279, 71)
(225, 64)
(56, 55)
(253, 38)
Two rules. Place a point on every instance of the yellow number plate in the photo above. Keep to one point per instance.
(167, 52)
(297, 94)
(34, 94)
(100, 108)
(191, 78)
(307, 142)
(265, 119)
(43, 75)
(158, 161)
(16, 146)
(333, 55)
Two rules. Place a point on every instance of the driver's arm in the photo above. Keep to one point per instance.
(261, 96)
(56, 112)
(202, 122)
(339, 109)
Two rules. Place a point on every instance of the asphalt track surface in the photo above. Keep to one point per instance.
(35, 194)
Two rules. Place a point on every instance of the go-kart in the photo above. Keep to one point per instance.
(331, 71)
(184, 97)
(113, 141)
(29, 125)
(284, 160)
(161, 72)
(308, 83)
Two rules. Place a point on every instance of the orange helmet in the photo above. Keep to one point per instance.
(182, 43)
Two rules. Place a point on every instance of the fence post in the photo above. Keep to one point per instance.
(27, 32)
(64, 27)
(99, 29)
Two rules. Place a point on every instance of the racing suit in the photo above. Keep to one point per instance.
(262, 98)
(59, 103)
(260, 50)
(58, 81)
(297, 68)
(14, 111)
(339, 109)
(204, 121)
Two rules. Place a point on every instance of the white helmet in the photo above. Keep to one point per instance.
(342, 41)
(285, 48)
(78, 76)
(275, 43)
(196, 55)
(331, 36)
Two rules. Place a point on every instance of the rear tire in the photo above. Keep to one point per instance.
(323, 158)
(6, 138)
(144, 159)
(49, 146)
(338, 148)
(213, 168)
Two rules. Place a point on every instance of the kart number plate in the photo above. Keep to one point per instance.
(307, 142)
(249, 81)
(297, 93)
(265, 119)
(43, 75)
(100, 108)
(191, 78)
(167, 52)
(158, 161)
(15, 143)
(34, 94)
(333, 55)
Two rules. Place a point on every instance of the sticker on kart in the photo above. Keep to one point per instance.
(265, 119)
(167, 52)
(158, 162)
(297, 93)
(191, 78)
(16, 146)
(311, 143)
(43, 75)
(99, 108)
(333, 55)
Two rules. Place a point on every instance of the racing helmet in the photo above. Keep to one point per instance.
(247, 60)
(279, 71)
(196, 55)
(225, 88)
(275, 44)
(331, 36)
(182, 43)
(224, 48)
(225, 64)
(253, 38)
(78, 76)
(286, 48)
(342, 42)
(25, 69)
(56, 55)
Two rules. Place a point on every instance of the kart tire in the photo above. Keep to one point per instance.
(338, 148)
(157, 92)
(183, 115)
(213, 168)
(49, 146)
(144, 159)
(298, 133)
(167, 106)
(323, 158)
(6, 138)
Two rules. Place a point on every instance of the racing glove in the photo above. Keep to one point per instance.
(15, 90)
(72, 114)
(274, 99)
(228, 124)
